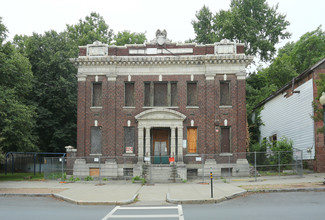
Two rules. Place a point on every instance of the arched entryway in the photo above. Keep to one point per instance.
(160, 133)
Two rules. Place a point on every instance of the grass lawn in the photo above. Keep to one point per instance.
(21, 176)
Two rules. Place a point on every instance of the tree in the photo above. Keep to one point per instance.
(3, 31)
(252, 22)
(54, 88)
(203, 26)
(93, 28)
(308, 50)
(126, 37)
(17, 114)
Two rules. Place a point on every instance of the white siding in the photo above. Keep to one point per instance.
(291, 117)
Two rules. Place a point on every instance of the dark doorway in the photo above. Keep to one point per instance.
(160, 146)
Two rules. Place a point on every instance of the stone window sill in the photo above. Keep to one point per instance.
(225, 106)
(128, 155)
(129, 107)
(226, 155)
(147, 107)
(192, 155)
(192, 107)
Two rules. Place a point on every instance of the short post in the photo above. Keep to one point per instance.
(211, 184)
(255, 165)
(279, 163)
(62, 169)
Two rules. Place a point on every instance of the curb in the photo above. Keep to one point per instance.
(66, 199)
(308, 189)
(204, 201)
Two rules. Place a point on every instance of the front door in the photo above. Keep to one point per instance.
(160, 146)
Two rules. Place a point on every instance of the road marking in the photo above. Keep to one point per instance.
(179, 216)
(111, 213)
(151, 207)
(180, 212)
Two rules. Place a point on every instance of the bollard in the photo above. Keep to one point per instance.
(211, 184)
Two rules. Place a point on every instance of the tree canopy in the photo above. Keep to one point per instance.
(17, 114)
(93, 28)
(292, 59)
(38, 86)
(252, 22)
(126, 37)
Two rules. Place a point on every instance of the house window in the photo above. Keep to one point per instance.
(96, 140)
(129, 140)
(192, 94)
(129, 94)
(147, 94)
(225, 97)
(160, 94)
(173, 94)
(273, 139)
(97, 94)
(192, 140)
(225, 140)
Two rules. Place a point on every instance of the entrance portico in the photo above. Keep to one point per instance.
(158, 119)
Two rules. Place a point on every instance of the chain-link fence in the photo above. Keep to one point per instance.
(26, 162)
(169, 169)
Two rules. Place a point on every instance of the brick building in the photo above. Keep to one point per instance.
(161, 101)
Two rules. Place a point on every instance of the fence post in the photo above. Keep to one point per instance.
(100, 170)
(255, 165)
(301, 164)
(229, 169)
(279, 162)
(62, 170)
(202, 162)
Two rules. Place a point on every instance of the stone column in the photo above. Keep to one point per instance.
(172, 142)
(140, 144)
(147, 142)
(180, 143)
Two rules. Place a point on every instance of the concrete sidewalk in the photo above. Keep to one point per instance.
(122, 192)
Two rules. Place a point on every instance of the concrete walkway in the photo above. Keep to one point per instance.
(122, 192)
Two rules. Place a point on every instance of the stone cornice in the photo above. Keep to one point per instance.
(162, 60)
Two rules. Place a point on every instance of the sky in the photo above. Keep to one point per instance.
(28, 16)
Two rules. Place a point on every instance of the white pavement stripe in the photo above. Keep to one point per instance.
(180, 212)
(145, 216)
(111, 213)
(180, 215)
(154, 207)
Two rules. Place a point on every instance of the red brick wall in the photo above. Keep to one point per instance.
(319, 162)
(113, 117)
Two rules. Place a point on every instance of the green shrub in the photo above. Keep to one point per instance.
(89, 178)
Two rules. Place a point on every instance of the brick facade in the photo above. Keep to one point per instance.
(207, 65)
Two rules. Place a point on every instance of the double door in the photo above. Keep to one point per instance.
(160, 146)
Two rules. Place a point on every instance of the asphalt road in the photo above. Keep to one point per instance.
(266, 206)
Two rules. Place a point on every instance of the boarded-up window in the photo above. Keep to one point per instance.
(129, 139)
(160, 94)
(225, 140)
(225, 98)
(173, 94)
(96, 140)
(93, 171)
(129, 94)
(97, 94)
(192, 94)
(192, 140)
(147, 94)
